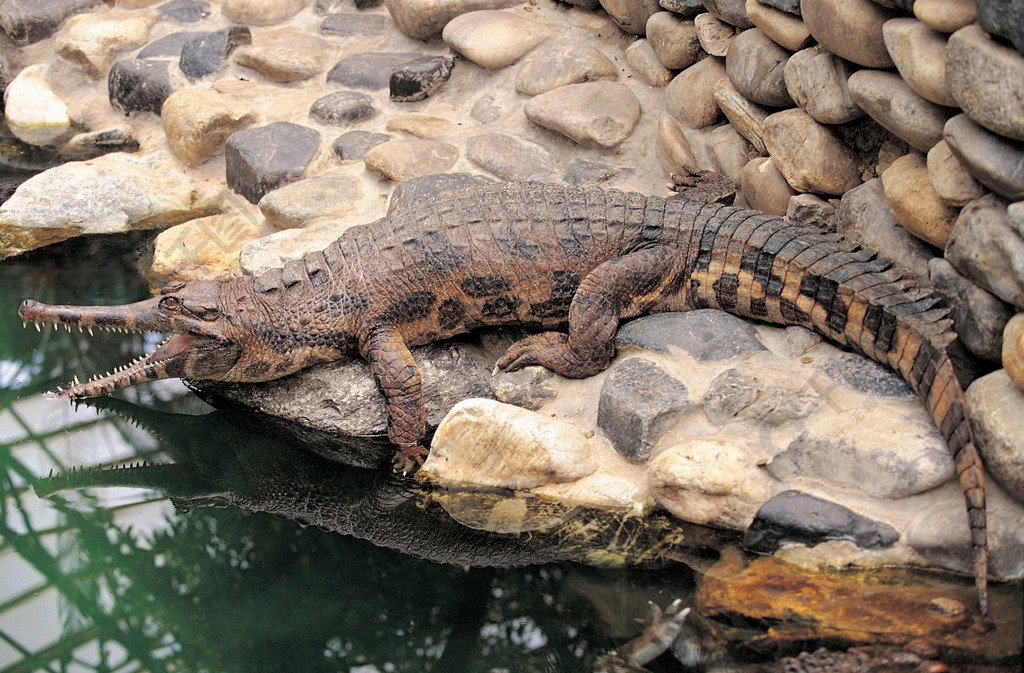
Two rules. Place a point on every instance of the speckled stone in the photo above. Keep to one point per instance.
(808, 154)
(168, 46)
(673, 40)
(545, 69)
(261, 12)
(950, 179)
(788, 6)
(994, 161)
(705, 335)
(764, 187)
(139, 85)
(369, 71)
(593, 114)
(288, 57)
(93, 41)
(353, 145)
(892, 103)
(197, 123)
(29, 21)
(206, 53)
(690, 96)
(415, 80)
(986, 79)
(405, 159)
(987, 247)
(372, 25)
(262, 159)
(409, 194)
(641, 57)
(818, 81)
(685, 8)
(342, 108)
(184, 11)
(733, 12)
(851, 29)
(756, 66)
(797, 517)
(714, 35)
(333, 194)
(781, 27)
(509, 158)
(1004, 18)
(978, 316)
(631, 15)
(745, 117)
(914, 202)
(493, 38)
(812, 210)
(920, 56)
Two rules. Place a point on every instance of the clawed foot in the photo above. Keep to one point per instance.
(551, 350)
(408, 459)
(703, 186)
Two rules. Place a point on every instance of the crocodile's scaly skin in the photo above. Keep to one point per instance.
(543, 255)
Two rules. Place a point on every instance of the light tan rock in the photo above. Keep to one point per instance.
(997, 418)
(674, 40)
(920, 56)
(744, 116)
(290, 57)
(275, 250)
(986, 78)
(93, 41)
(421, 126)
(205, 248)
(1013, 350)
(592, 114)
(491, 444)
(673, 150)
(851, 29)
(422, 19)
(713, 34)
(764, 187)
(945, 16)
(756, 67)
(914, 202)
(405, 159)
(710, 482)
(950, 178)
(34, 113)
(197, 123)
(631, 15)
(261, 12)
(890, 101)
(808, 154)
(493, 38)
(690, 96)
(730, 151)
(785, 29)
(641, 57)
(545, 69)
(818, 81)
(332, 195)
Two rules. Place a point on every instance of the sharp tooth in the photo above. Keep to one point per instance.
(24, 324)
(75, 380)
(90, 330)
(38, 328)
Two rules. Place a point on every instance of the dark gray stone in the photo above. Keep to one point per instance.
(408, 194)
(994, 161)
(794, 516)
(756, 67)
(905, 5)
(733, 12)
(90, 145)
(509, 158)
(370, 71)
(585, 4)
(184, 11)
(791, 6)
(639, 402)
(867, 376)
(418, 79)
(206, 53)
(28, 21)
(527, 388)
(586, 172)
(169, 46)
(978, 317)
(352, 146)
(1004, 18)
(139, 85)
(687, 8)
(744, 394)
(262, 159)
(342, 108)
(372, 25)
(706, 335)
(987, 247)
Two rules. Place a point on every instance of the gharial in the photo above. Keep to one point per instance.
(542, 255)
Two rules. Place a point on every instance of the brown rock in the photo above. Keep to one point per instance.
(765, 188)
(197, 123)
(730, 151)
(746, 117)
(914, 202)
(851, 29)
(920, 56)
(945, 16)
(986, 78)
(206, 248)
(93, 41)
(818, 81)
(890, 101)
(690, 96)
(811, 157)
(950, 178)
(545, 69)
(756, 67)
(783, 28)
(289, 57)
(713, 34)
(631, 15)
(673, 151)
(641, 57)
(674, 40)
(592, 114)
(733, 12)
(405, 159)
(1013, 350)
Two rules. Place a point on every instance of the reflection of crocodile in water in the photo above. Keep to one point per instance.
(219, 464)
(542, 255)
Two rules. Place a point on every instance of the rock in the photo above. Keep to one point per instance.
(892, 103)
(641, 57)
(197, 123)
(331, 195)
(545, 69)
(288, 57)
(110, 194)
(914, 202)
(950, 178)
(421, 126)
(405, 159)
(788, 6)
(713, 34)
(864, 215)
(730, 152)
(29, 21)
(259, 160)
(984, 78)
(673, 150)
(761, 394)
(745, 117)
(583, 172)
(733, 12)
(371, 25)
(1002, 18)
(997, 418)
(487, 443)
(945, 16)
(920, 56)
(690, 96)
(709, 482)
(139, 86)
(509, 158)
(764, 187)
(593, 114)
(275, 250)
(796, 517)
(812, 210)
(631, 15)
(184, 11)
(92, 144)
(418, 79)
(639, 402)
(994, 161)
(851, 29)
(493, 38)
(371, 71)
(808, 154)
(168, 46)
(205, 54)
(205, 248)
(342, 108)
(1013, 350)
(781, 27)
(673, 40)
(818, 82)
(409, 194)
(528, 388)
(34, 113)
(422, 19)
(755, 66)
(353, 145)
(987, 247)
(94, 40)
(261, 12)
(706, 335)
(978, 317)
(868, 377)
(685, 8)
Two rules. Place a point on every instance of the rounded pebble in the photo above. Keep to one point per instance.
(493, 38)
(593, 114)
(851, 29)
(756, 66)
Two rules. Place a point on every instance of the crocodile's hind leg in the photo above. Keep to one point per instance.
(619, 288)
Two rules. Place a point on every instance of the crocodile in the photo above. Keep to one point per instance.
(545, 256)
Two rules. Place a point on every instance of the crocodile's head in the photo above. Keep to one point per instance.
(207, 339)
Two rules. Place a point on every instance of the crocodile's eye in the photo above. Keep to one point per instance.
(170, 304)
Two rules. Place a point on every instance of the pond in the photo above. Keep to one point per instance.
(166, 567)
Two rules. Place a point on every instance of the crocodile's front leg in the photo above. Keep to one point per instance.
(622, 287)
(398, 377)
